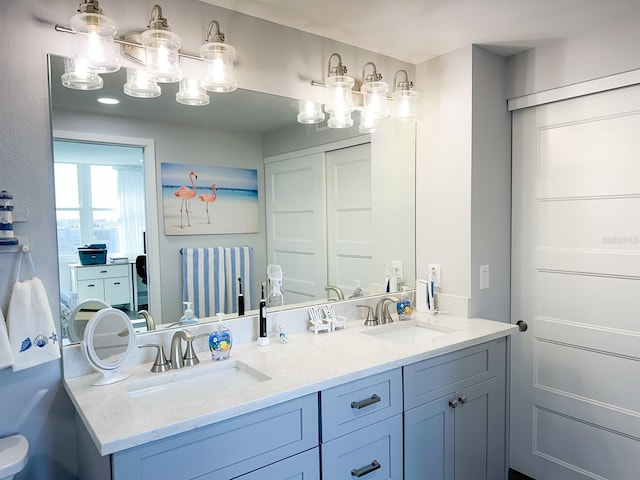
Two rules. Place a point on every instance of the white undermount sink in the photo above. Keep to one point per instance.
(201, 380)
(412, 331)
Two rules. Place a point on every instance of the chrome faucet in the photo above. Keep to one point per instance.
(338, 291)
(382, 309)
(148, 318)
(176, 358)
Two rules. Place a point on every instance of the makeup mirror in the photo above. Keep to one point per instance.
(108, 340)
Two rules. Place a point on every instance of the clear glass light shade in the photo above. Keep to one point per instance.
(375, 99)
(310, 112)
(340, 119)
(192, 93)
(218, 59)
(163, 61)
(78, 75)
(368, 124)
(141, 84)
(339, 94)
(405, 105)
(94, 37)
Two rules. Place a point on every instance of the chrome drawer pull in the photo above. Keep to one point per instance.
(361, 472)
(91, 285)
(365, 403)
(103, 271)
(116, 283)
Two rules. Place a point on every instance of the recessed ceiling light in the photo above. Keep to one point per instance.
(108, 100)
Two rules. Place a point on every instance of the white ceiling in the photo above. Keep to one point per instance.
(416, 30)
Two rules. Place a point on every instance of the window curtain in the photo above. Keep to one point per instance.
(132, 209)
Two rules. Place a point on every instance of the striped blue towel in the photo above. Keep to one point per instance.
(203, 280)
(238, 262)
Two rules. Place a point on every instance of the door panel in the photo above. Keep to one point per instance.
(576, 282)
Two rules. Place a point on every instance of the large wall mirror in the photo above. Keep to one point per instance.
(336, 208)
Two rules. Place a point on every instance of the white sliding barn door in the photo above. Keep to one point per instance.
(575, 389)
(349, 218)
(296, 233)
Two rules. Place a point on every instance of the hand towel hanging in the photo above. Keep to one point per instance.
(32, 332)
(6, 354)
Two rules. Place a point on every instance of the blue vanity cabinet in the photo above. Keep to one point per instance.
(455, 415)
(230, 448)
(362, 428)
(304, 466)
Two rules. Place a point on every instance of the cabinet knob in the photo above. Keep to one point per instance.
(462, 399)
(522, 325)
(367, 469)
(453, 403)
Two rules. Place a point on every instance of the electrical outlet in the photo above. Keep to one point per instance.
(484, 277)
(398, 269)
(435, 275)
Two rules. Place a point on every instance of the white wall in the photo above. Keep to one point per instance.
(271, 59)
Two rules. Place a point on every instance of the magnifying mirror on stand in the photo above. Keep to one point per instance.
(108, 340)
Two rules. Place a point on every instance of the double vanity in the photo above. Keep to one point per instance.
(418, 399)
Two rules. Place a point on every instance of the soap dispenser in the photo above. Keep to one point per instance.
(188, 318)
(220, 340)
(404, 306)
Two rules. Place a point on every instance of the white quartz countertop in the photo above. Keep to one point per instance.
(307, 363)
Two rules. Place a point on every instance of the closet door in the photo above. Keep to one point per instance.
(575, 400)
(349, 217)
(296, 233)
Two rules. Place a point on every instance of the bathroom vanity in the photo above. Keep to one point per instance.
(354, 403)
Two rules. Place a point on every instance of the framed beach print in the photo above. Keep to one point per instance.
(200, 199)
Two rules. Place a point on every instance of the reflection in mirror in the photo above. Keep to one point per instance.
(335, 207)
(81, 315)
(104, 345)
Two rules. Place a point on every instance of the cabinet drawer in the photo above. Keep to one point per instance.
(226, 449)
(117, 290)
(433, 378)
(356, 404)
(90, 289)
(304, 466)
(376, 449)
(102, 271)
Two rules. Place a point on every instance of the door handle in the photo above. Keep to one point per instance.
(522, 325)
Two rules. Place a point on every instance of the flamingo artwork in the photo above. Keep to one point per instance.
(186, 194)
(208, 198)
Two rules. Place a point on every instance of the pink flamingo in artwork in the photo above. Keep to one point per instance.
(208, 198)
(186, 194)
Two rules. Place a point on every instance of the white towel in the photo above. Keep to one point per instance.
(6, 354)
(32, 332)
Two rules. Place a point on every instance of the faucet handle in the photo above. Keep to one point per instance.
(190, 358)
(161, 363)
(371, 319)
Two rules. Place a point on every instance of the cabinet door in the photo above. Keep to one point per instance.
(117, 291)
(480, 432)
(429, 441)
(90, 289)
(304, 466)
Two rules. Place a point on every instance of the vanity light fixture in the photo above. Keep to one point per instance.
(218, 59)
(162, 49)
(95, 43)
(309, 112)
(339, 104)
(78, 76)
(141, 84)
(405, 99)
(374, 92)
(192, 93)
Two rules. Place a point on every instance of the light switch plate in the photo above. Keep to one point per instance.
(484, 277)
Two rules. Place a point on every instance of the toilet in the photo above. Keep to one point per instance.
(14, 451)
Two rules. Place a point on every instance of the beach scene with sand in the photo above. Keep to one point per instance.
(201, 199)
